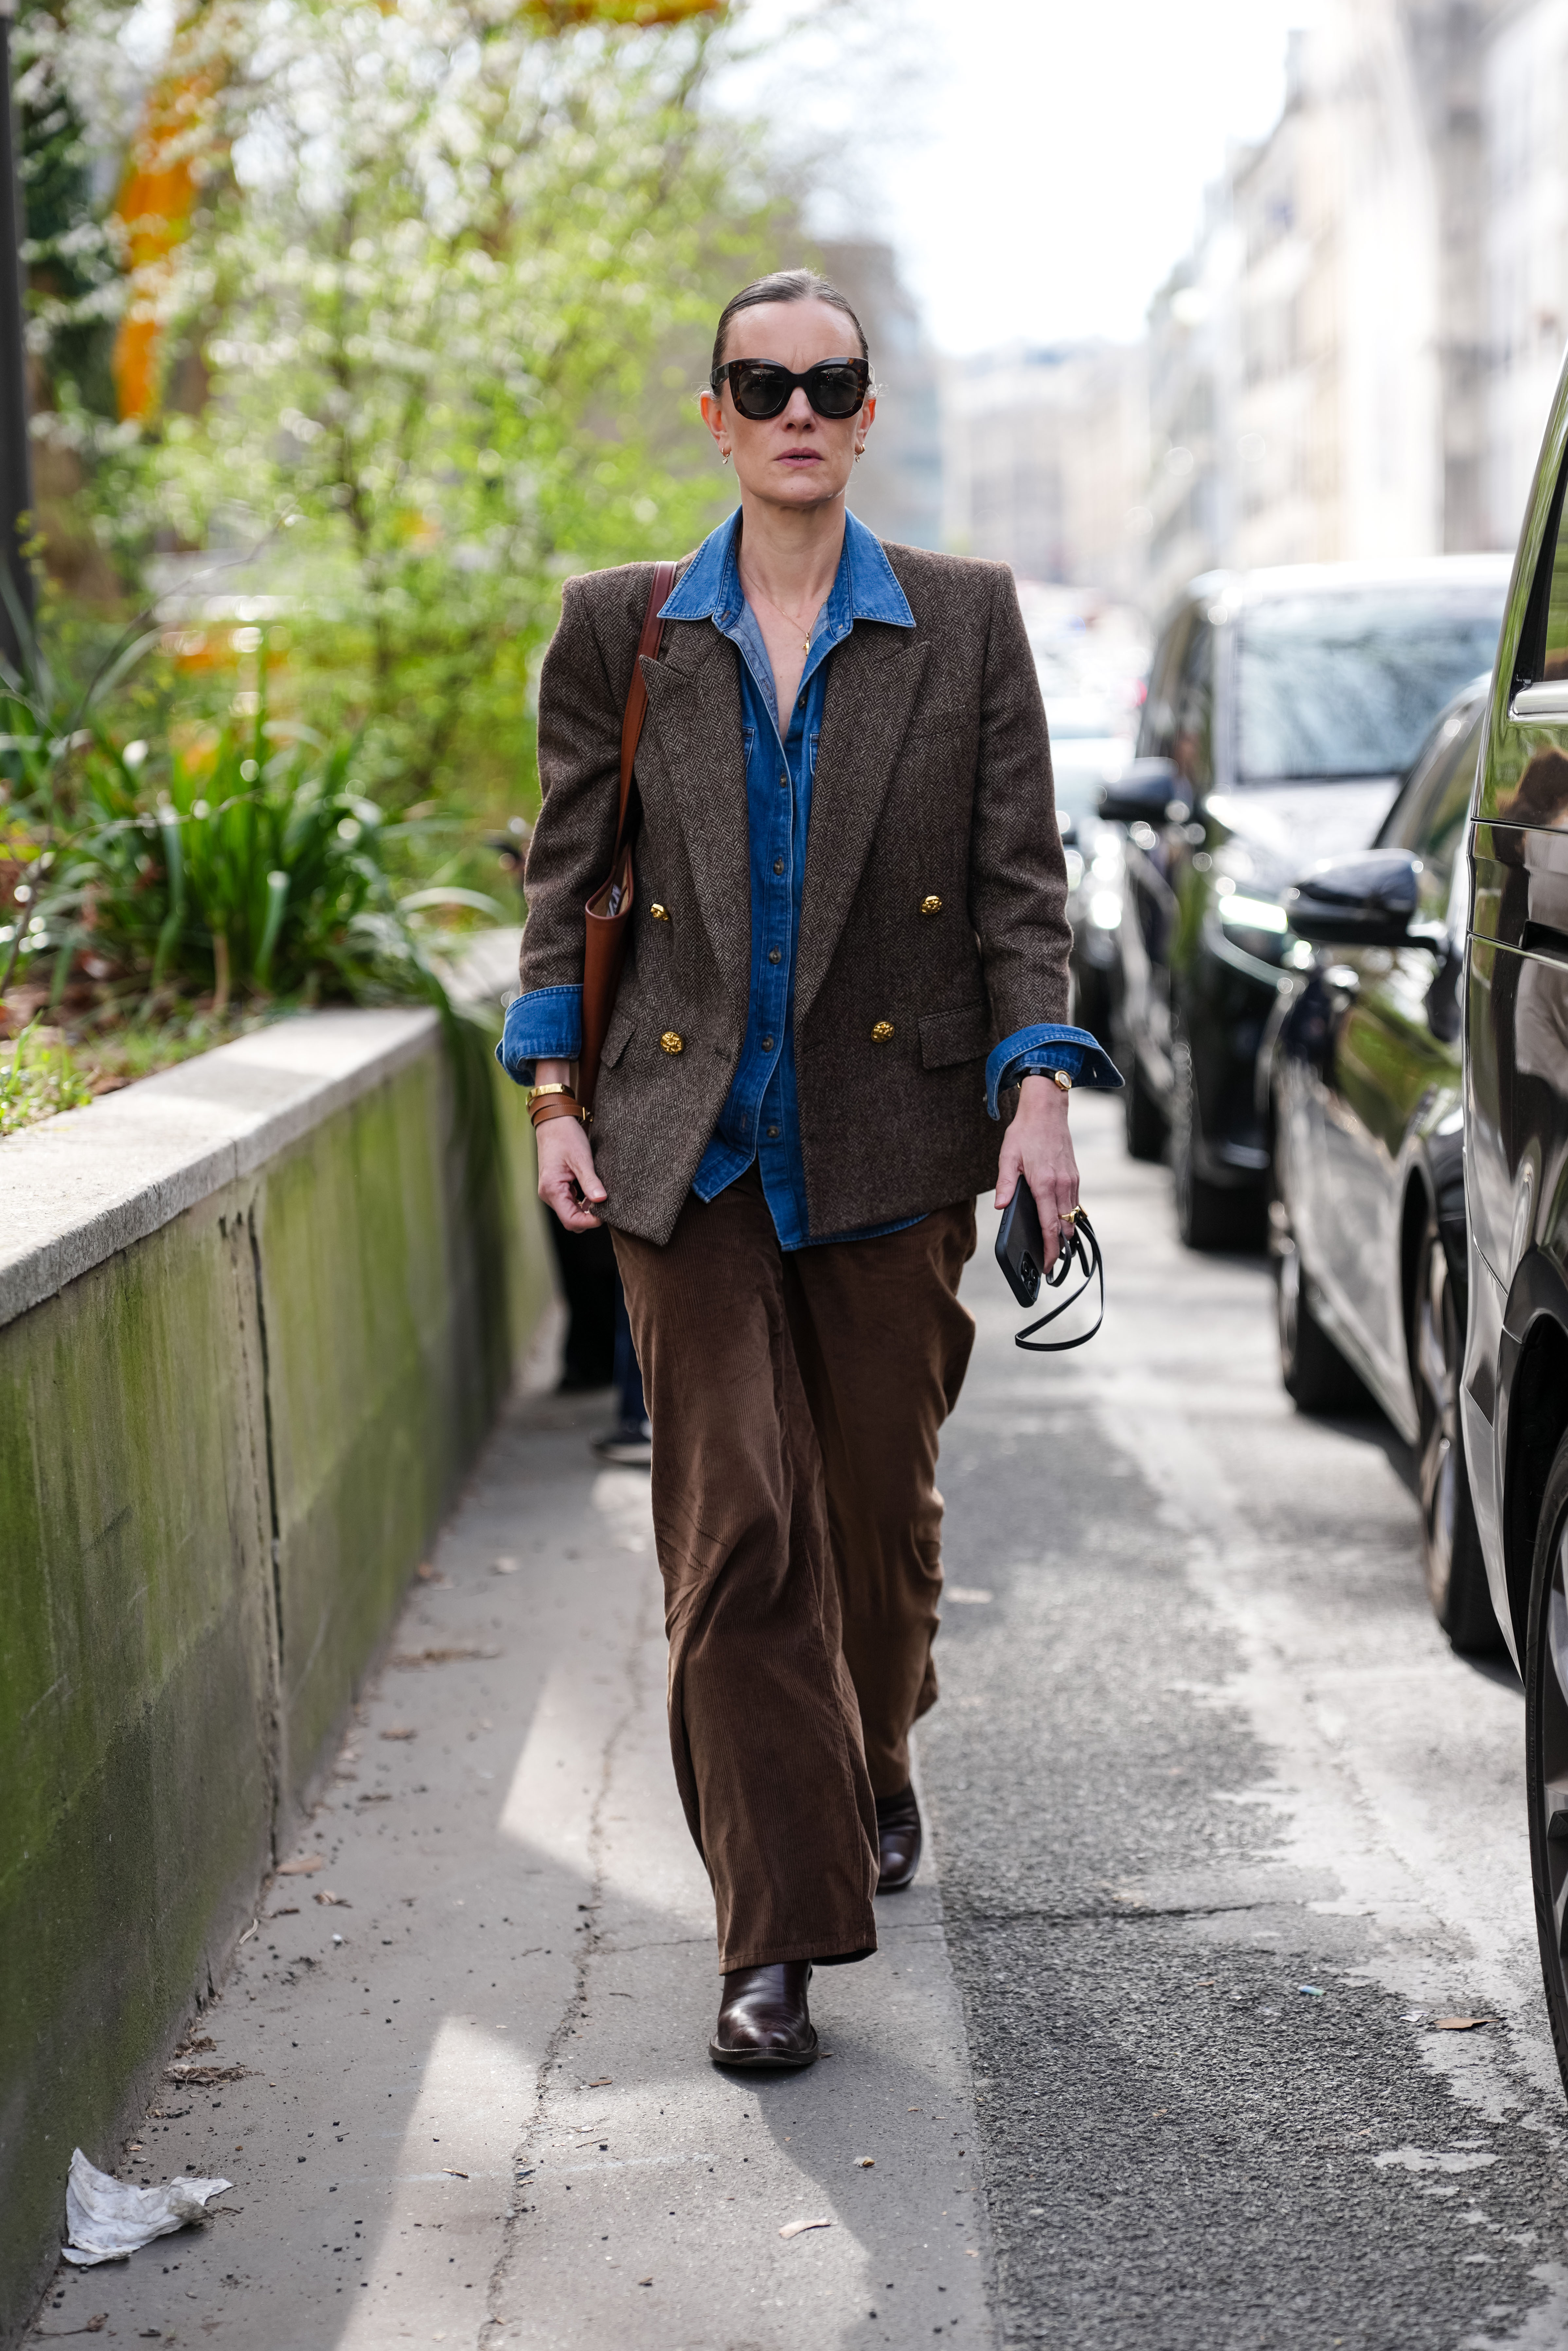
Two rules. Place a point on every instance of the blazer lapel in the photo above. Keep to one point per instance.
(693, 731)
(871, 690)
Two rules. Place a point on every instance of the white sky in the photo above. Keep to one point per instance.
(1046, 170)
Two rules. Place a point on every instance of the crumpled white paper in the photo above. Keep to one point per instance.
(109, 2219)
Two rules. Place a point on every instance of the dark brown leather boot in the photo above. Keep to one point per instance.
(763, 2017)
(897, 1840)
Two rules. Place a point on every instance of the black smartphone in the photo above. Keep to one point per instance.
(1021, 1247)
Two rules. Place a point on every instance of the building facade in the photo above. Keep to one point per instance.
(1046, 456)
(1524, 230)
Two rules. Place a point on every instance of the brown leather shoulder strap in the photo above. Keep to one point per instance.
(637, 696)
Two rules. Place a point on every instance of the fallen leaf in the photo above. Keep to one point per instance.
(603, 2082)
(197, 2048)
(797, 2228)
(204, 2077)
(290, 1910)
(865, 2162)
(399, 1731)
(303, 1864)
(451, 2174)
(333, 1901)
(645, 2281)
(1459, 2023)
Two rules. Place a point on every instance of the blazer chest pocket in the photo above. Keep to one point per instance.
(947, 1038)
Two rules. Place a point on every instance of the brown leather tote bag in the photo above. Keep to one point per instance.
(609, 910)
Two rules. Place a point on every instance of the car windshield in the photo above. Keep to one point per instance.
(1349, 684)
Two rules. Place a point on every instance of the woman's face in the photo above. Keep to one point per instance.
(797, 459)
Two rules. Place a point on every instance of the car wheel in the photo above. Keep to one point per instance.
(1451, 1539)
(1145, 1119)
(1208, 1216)
(1316, 1376)
(1546, 1745)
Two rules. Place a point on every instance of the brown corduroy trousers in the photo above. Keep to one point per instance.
(795, 1400)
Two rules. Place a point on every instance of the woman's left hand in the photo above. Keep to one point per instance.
(1038, 1147)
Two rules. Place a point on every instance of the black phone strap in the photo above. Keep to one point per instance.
(1083, 1250)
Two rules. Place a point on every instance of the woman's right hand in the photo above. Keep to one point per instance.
(566, 1171)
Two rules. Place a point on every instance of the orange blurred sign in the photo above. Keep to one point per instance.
(172, 158)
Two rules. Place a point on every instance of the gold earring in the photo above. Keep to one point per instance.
(724, 457)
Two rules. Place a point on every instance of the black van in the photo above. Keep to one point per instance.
(1283, 709)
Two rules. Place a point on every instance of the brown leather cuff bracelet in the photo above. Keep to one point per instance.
(557, 1106)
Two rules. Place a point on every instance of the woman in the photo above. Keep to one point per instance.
(848, 941)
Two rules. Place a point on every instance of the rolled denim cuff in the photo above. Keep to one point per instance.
(1046, 1046)
(546, 1025)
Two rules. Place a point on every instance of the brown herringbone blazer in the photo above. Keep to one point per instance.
(932, 782)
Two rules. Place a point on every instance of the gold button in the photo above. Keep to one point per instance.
(882, 1031)
(671, 1043)
(659, 914)
(931, 905)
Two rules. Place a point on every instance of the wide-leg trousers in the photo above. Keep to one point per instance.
(796, 1399)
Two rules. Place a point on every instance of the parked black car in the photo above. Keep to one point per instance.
(1284, 708)
(1090, 745)
(1367, 1219)
(1514, 1392)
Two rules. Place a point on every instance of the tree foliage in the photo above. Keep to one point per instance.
(430, 341)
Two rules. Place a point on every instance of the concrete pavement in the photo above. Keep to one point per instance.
(1220, 1828)
(472, 2101)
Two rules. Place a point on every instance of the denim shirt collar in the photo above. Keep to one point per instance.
(866, 587)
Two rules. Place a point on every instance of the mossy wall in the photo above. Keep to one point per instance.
(222, 1452)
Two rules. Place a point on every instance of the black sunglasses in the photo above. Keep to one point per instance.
(761, 387)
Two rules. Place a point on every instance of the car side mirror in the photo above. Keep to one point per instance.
(1141, 793)
(1365, 901)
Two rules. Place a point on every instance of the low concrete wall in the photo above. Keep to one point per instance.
(255, 1316)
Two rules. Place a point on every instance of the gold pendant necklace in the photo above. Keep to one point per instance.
(790, 617)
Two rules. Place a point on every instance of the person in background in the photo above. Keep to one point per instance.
(629, 1444)
(849, 946)
(593, 1352)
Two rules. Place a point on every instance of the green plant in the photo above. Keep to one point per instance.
(37, 1080)
(240, 862)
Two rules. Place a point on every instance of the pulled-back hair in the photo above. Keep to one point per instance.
(785, 286)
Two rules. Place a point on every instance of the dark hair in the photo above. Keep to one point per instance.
(785, 286)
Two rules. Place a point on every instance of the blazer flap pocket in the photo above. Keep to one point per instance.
(950, 1037)
(617, 1036)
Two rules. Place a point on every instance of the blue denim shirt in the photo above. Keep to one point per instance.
(760, 1120)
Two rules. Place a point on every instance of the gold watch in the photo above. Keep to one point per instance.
(1060, 1078)
(537, 1093)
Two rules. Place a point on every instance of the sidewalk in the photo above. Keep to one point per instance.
(473, 2037)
